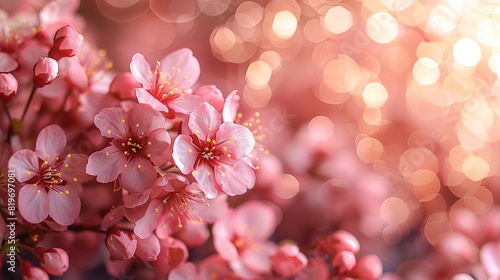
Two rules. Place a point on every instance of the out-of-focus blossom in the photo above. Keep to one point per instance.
(120, 245)
(8, 87)
(343, 261)
(45, 71)
(50, 182)
(368, 267)
(490, 259)
(168, 86)
(139, 142)
(67, 43)
(53, 260)
(213, 153)
(288, 261)
(31, 272)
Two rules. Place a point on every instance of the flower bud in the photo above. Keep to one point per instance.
(120, 245)
(67, 42)
(368, 267)
(31, 272)
(343, 262)
(288, 260)
(54, 260)
(8, 87)
(342, 240)
(45, 71)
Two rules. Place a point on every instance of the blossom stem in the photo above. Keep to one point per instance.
(25, 247)
(7, 112)
(33, 90)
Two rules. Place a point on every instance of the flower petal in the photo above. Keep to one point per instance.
(204, 175)
(145, 226)
(106, 164)
(7, 63)
(25, 164)
(33, 204)
(74, 168)
(144, 97)
(110, 121)
(143, 119)
(65, 205)
(185, 104)
(141, 70)
(50, 143)
(240, 141)
(184, 153)
(183, 66)
(212, 95)
(231, 106)
(236, 178)
(260, 219)
(159, 151)
(148, 248)
(204, 121)
(138, 176)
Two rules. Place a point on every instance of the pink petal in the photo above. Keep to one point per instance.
(110, 122)
(25, 163)
(186, 271)
(64, 207)
(217, 208)
(184, 153)
(212, 95)
(75, 73)
(143, 119)
(141, 70)
(368, 267)
(148, 248)
(204, 121)
(243, 271)
(113, 217)
(226, 249)
(240, 141)
(204, 174)
(145, 226)
(257, 258)
(106, 164)
(7, 63)
(194, 233)
(144, 97)
(235, 178)
(54, 90)
(231, 107)
(74, 168)
(214, 264)
(33, 204)
(159, 150)
(186, 103)
(187, 67)
(260, 219)
(490, 258)
(50, 143)
(138, 176)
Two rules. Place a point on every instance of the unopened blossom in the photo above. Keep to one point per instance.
(139, 142)
(178, 202)
(148, 248)
(120, 245)
(168, 86)
(214, 153)
(173, 254)
(67, 43)
(8, 87)
(288, 261)
(31, 272)
(241, 238)
(53, 260)
(343, 261)
(368, 267)
(45, 71)
(50, 180)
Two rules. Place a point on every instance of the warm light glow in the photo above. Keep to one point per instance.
(338, 20)
(284, 24)
(382, 28)
(394, 211)
(375, 95)
(258, 73)
(426, 71)
(467, 52)
(286, 187)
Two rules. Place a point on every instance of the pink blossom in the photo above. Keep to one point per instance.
(241, 238)
(51, 182)
(31, 272)
(368, 267)
(343, 262)
(148, 248)
(288, 261)
(8, 87)
(121, 246)
(45, 71)
(139, 141)
(215, 265)
(54, 260)
(167, 86)
(186, 271)
(214, 153)
(489, 256)
(173, 254)
(67, 43)
(177, 203)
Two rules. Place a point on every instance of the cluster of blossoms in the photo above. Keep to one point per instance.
(141, 163)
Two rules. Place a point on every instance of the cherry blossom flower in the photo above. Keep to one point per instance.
(173, 254)
(53, 260)
(139, 141)
(50, 182)
(288, 261)
(8, 87)
(178, 203)
(241, 238)
(121, 246)
(31, 272)
(168, 86)
(214, 153)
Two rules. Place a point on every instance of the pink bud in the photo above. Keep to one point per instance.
(31, 272)
(343, 262)
(288, 260)
(54, 260)
(45, 70)
(148, 249)
(368, 267)
(67, 42)
(120, 245)
(342, 240)
(8, 87)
